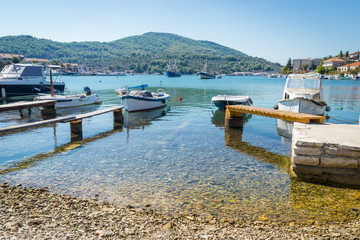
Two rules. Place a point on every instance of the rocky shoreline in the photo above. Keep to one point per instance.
(27, 213)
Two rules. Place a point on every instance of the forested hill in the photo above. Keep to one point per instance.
(149, 53)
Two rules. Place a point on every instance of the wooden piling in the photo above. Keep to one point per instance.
(76, 130)
(233, 119)
(118, 119)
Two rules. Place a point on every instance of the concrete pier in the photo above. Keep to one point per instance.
(328, 153)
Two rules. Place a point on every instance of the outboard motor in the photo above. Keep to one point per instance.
(87, 91)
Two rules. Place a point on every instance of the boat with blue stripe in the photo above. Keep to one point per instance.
(138, 100)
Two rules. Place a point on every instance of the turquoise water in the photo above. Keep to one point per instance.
(179, 157)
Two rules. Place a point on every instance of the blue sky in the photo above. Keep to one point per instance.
(271, 29)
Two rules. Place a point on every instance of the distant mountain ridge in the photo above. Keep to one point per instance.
(149, 52)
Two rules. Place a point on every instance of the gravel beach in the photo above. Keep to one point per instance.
(27, 213)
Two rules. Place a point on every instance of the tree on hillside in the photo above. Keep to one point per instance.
(341, 54)
(347, 54)
(15, 60)
(289, 64)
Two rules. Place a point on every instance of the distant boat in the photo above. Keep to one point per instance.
(138, 100)
(67, 101)
(205, 73)
(221, 101)
(25, 80)
(172, 70)
(303, 93)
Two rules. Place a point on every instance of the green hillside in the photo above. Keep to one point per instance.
(149, 53)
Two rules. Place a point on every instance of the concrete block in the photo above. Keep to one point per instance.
(339, 162)
(308, 151)
(339, 179)
(309, 144)
(340, 171)
(341, 151)
(304, 160)
(307, 170)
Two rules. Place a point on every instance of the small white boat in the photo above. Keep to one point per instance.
(303, 93)
(221, 101)
(67, 101)
(138, 100)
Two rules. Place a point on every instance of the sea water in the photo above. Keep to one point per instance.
(180, 158)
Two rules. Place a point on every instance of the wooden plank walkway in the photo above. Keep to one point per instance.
(98, 112)
(268, 112)
(60, 119)
(36, 124)
(23, 105)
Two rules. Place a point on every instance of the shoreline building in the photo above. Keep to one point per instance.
(311, 62)
(334, 62)
(9, 56)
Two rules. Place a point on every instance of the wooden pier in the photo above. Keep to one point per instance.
(47, 104)
(234, 114)
(75, 122)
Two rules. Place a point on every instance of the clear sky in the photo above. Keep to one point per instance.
(272, 29)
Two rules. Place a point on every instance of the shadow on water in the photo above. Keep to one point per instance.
(308, 203)
(134, 120)
(233, 140)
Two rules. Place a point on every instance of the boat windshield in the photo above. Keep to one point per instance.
(308, 83)
(311, 83)
(294, 83)
(23, 70)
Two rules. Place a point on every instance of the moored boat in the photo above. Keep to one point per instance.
(138, 100)
(303, 93)
(67, 101)
(172, 70)
(221, 101)
(205, 73)
(26, 80)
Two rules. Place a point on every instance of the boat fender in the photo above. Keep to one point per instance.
(3, 93)
(250, 101)
(180, 99)
(327, 108)
(163, 101)
(276, 107)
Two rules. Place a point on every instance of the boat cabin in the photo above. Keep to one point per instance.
(305, 86)
(22, 70)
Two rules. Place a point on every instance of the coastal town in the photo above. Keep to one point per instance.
(341, 67)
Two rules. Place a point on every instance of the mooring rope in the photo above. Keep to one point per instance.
(342, 120)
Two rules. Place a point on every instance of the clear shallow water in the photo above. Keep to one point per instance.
(180, 157)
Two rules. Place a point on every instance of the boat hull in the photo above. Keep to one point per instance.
(19, 89)
(132, 103)
(221, 101)
(172, 74)
(72, 100)
(302, 105)
(204, 75)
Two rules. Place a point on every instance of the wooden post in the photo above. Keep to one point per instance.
(51, 84)
(48, 112)
(118, 119)
(76, 130)
(233, 119)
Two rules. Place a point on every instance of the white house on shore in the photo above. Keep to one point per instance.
(350, 66)
(334, 62)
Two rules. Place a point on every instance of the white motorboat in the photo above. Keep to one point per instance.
(221, 101)
(67, 101)
(25, 80)
(138, 100)
(303, 93)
